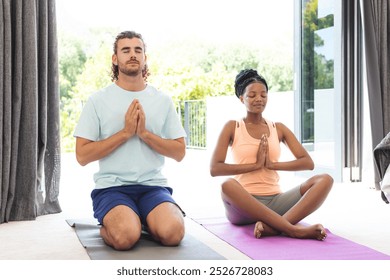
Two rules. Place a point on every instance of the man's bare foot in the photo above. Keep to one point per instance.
(310, 232)
(262, 229)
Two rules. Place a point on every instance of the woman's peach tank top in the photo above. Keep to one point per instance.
(244, 150)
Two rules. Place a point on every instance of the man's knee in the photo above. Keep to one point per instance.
(166, 224)
(171, 234)
(121, 239)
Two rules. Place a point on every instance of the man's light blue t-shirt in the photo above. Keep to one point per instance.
(133, 162)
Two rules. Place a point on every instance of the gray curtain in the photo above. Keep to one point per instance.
(29, 118)
(376, 20)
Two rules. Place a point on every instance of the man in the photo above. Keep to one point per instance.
(129, 127)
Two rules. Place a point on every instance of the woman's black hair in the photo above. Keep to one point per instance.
(246, 77)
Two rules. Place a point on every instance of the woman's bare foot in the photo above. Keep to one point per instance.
(262, 229)
(309, 232)
(302, 232)
(258, 230)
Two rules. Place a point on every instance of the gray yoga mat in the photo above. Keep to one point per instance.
(146, 249)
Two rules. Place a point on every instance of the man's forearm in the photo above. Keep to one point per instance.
(172, 148)
(88, 151)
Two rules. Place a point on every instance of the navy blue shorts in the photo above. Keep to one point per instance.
(141, 199)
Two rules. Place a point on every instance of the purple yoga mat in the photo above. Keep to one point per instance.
(285, 248)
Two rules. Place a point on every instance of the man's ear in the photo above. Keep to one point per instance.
(114, 60)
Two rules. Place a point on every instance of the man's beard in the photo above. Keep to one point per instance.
(130, 71)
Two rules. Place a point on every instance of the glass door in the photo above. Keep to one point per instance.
(318, 91)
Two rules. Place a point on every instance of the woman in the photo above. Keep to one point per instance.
(253, 195)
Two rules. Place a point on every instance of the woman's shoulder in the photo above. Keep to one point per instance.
(229, 130)
(283, 130)
(232, 124)
(229, 127)
(280, 126)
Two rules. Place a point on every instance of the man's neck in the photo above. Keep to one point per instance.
(131, 83)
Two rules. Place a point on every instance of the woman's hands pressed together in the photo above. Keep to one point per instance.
(263, 160)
